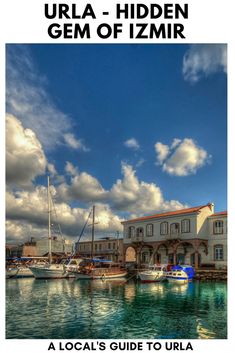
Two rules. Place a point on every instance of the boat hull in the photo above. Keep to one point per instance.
(177, 280)
(49, 272)
(108, 275)
(100, 275)
(180, 277)
(24, 273)
(11, 272)
(152, 276)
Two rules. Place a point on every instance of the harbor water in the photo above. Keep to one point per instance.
(73, 309)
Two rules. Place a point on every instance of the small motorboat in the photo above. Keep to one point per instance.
(155, 273)
(11, 272)
(180, 274)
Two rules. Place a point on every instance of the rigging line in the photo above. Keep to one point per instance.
(80, 235)
(54, 208)
(83, 229)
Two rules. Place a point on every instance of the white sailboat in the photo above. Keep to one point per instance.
(50, 270)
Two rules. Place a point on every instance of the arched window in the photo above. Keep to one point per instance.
(185, 225)
(149, 230)
(139, 232)
(175, 228)
(218, 252)
(164, 228)
(131, 232)
(218, 227)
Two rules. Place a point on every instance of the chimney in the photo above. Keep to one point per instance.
(211, 206)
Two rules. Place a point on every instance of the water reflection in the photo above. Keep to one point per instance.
(114, 309)
(204, 332)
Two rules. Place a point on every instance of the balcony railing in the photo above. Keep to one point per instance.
(137, 238)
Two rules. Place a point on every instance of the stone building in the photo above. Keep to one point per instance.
(40, 247)
(195, 236)
(108, 248)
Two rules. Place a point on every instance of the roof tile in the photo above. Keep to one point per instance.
(166, 214)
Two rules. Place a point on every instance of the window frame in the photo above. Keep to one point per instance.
(218, 246)
(167, 228)
(189, 226)
(147, 225)
(130, 234)
(171, 225)
(137, 232)
(215, 227)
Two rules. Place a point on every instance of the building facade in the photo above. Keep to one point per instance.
(107, 248)
(195, 236)
(40, 247)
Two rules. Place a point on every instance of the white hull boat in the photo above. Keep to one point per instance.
(153, 274)
(11, 272)
(177, 277)
(24, 272)
(180, 274)
(49, 271)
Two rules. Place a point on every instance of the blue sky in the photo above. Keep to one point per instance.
(135, 129)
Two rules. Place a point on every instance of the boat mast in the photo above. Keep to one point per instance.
(49, 219)
(93, 231)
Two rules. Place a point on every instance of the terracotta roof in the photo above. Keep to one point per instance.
(223, 213)
(172, 213)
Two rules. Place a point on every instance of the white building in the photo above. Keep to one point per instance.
(195, 236)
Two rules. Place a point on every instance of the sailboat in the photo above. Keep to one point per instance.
(49, 270)
(94, 268)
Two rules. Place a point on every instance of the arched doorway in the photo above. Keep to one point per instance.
(130, 255)
(161, 254)
(183, 252)
(146, 255)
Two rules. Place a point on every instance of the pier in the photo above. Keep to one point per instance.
(211, 275)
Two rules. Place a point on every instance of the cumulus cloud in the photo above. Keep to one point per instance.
(71, 169)
(25, 159)
(74, 143)
(27, 214)
(184, 157)
(132, 143)
(130, 194)
(162, 151)
(83, 186)
(203, 60)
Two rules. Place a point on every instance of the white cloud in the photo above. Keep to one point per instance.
(25, 159)
(71, 169)
(132, 143)
(203, 60)
(139, 197)
(27, 215)
(184, 157)
(51, 169)
(162, 151)
(140, 162)
(83, 187)
(27, 98)
(74, 143)
(127, 194)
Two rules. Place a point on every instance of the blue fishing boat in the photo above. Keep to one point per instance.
(180, 274)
